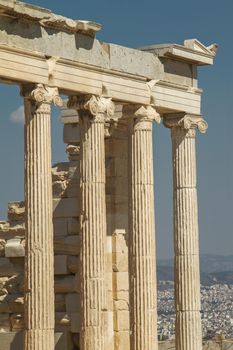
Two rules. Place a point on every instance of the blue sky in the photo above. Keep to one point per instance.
(134, 24)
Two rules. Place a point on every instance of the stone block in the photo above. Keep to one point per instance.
(2, 247)
(59, 189)
(108, 244)
(60, 303)
(11, 303)
(116, 148)
(108, 262)
(117, 168)
(170, 345)
(71, 133)
(72, 190)
(73, 263)
(109, 329)
(121, 320)
(60, 171)
(108, 281)
(69, 116)
(16, 303)
(225, 345)
(3, 283)
(3, 291)
(14, 248)
(9, 267)
(17, 322)
(119, 242)
(62, 319)
(121, 167)
(109, 167)
(14, 229)
(75, 322)
(73, 303)
(76, 339)
(60, 226)
(67, 284)
(14, 284)
(122, 340)
(120, 262)
(109, 296)
(4, 322)
(4, 225)
(11, 341)
(74, 172)
(117, 220)
(122, 295)
(116, 204)
(73, 152)
(68, 245)
(121, 305)
(60, 265)
(16, 211)
(4, 306)
(65, 207)
(117, 186)
(120, 281)
(63, 341)
(73, 226)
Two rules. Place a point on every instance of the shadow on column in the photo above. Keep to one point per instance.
(17, 341)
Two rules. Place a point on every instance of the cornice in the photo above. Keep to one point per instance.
(28, 12)
(193, 51)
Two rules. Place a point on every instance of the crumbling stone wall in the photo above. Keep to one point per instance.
(66, 250)
(117, 229)
(65, 178)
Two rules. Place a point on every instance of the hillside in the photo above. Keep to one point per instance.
(214, 269)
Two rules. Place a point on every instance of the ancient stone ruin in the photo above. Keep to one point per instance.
(78, 257)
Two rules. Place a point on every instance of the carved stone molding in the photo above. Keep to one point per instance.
(148, 113)
(41, 94)
(187, 122)
(141, 113)
(101, 109)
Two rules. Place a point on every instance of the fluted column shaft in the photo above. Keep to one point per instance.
(92, 112)
(142, 255)
(186, 240)
(39, 284)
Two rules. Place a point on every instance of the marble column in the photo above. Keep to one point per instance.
(93, 112)
(39, 275)
(186, 240)
(142, 254)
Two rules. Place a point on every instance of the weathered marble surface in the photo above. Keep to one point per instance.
(50, 49)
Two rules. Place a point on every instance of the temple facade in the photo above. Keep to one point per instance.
(79, 255)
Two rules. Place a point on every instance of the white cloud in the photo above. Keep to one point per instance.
(17, 116)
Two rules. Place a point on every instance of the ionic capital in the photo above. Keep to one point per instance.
(185, 122)
(101, 109)
(41, 94)
(148, 113)
(141, 113)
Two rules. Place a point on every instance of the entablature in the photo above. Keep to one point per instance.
(74, 61)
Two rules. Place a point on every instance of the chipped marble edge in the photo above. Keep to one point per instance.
(46, 18)
(192, 50)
